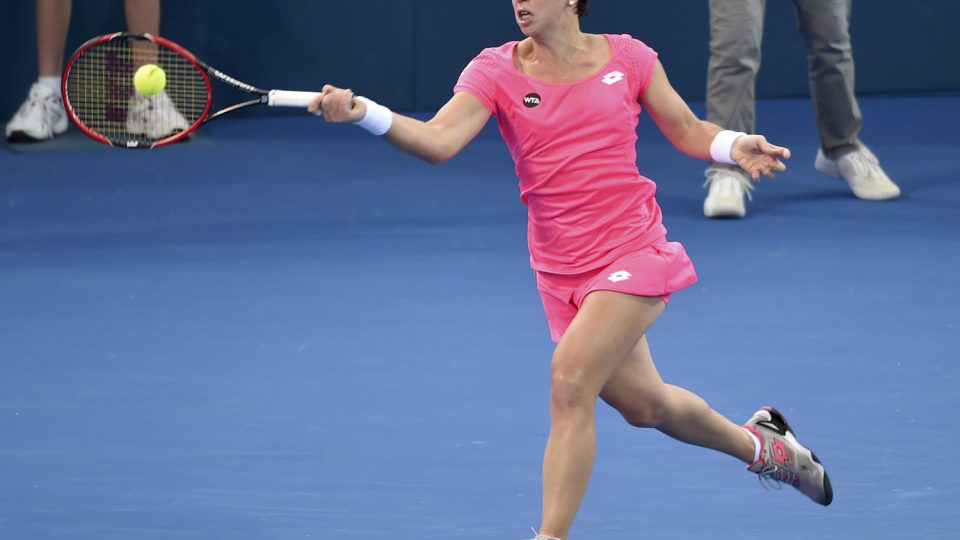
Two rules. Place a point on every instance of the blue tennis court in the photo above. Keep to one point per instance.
(285, 329)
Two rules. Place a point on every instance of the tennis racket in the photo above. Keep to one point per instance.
(100, 98)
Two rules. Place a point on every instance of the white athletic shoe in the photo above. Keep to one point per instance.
(155, 117)
(783, 460)
(726, 188)
(39, 118)
(861, 169)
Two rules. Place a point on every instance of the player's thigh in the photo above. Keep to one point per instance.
(635, 388)
(608, 326)
(635, 377)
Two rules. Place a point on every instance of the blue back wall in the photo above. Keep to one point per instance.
(407, 54)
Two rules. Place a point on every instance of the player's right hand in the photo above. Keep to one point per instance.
(337, 105)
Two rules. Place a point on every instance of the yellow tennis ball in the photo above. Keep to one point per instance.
(150, 79)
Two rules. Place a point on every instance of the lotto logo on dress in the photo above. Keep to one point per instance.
(620, 275)
(613, 77)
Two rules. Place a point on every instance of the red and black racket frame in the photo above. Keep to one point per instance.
(205, 71)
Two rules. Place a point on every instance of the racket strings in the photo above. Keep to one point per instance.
(103, 98)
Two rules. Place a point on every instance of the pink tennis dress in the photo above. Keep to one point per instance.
(589, 208)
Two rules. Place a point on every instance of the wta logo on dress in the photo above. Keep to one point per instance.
(531, 100)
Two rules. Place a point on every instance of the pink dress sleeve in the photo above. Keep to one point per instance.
(479, 79)
(644, 59)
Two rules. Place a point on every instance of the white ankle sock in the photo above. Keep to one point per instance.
(50, 81)
(756, 444)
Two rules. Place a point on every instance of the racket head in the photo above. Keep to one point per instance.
(101, 100)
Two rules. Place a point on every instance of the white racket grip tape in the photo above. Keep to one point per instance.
(290, 98)
(722, 146)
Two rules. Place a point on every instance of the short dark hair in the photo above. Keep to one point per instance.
(583, 8)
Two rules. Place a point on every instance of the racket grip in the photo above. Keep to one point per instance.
(290, 98)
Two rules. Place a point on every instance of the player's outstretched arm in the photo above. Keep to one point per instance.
(436, 140)
(705, 140)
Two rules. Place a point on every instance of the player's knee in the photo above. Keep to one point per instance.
(645, 413)
(568, 393)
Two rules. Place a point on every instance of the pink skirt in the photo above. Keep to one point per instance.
(659, 269)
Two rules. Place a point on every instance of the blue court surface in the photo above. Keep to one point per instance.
(285, 329)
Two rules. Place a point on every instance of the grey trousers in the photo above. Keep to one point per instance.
(736, 33)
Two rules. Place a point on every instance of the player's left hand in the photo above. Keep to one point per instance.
(758, 157)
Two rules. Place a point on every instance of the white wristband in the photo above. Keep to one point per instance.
(722, 146)
(377, 119)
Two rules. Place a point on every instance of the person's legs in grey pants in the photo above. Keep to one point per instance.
(736, 33)
(825, 27)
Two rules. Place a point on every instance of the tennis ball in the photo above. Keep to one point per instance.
(150, 79)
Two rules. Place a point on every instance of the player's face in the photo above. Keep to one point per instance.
(535, 16)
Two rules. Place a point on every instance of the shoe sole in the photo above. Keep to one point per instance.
(716, 214)
(23, 137)
(724, 211)
(872, 197)
(827, 487)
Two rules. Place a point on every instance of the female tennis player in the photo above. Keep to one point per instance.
(567, 104)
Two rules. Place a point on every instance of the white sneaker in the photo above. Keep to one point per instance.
(39, 118)
(861, 169)
(726, 190)
(155, 117)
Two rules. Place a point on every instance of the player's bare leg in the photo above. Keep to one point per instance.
(143, 17)
(766, 443)
(42, 116)
(53, 21)
(606, 329)
(636, 390)
(155, 116)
